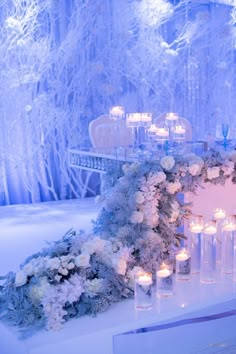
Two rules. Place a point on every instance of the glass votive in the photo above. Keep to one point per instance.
(164, 279)
(219, 215)
(162, 133)
(208, 253)
(196, 227)
(172, 117)
(183, 265)
(228, 245)
(179, 132)
(143, 290)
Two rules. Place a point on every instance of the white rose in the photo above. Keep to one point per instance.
(88, 247)
(28, 269)
(92, 287)
(173, 187)
(63, 271)
(167, 162)
(194, 169)
(53, 263)
(82, 260)
(213, 172)
(160, 177)
(139, 197)
(136, 217)
(21, 278)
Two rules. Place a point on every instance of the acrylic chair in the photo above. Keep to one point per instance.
(106, 134)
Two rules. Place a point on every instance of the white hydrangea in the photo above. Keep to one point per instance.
(173, 187)
(139, 197)
(20, 278)
(213, 172)
(83, 260)
(53, 263)
(167, 162)
(136, 217)
(38, 291)
(92, 287)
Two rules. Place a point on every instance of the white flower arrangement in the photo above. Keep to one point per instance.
(136, 229)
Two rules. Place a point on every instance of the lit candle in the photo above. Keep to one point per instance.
(196, 228)
(172, 116)
(117, 111)
(183, 265)
(210, 230)
(133, 117)
(152, 128)
(219, 213)
(144, 279)
(163, 273)
(164, 280)
(229, 227)
(145, 117)
(179, 130)
(182, 256)
(162, 132)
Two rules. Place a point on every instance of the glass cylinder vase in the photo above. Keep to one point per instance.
(143, 290)
(219, 215)
(196, 227)
(228, 246)
(183, 265)
(164, 279)
(208, 253)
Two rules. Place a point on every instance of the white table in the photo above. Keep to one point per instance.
(95, 335)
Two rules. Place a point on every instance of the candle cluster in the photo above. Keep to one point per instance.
(212, 245)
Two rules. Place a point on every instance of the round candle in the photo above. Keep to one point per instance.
(210, 230)
(145, 117)
(152, 128)
(219, 213)
(179, 130)
(117, 110)
(196, 229)
(163, 273)
(229, 227)
(162, 132)
(182, 256)
(144, 279)
(172, 116)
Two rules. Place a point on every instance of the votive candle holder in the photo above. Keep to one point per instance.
(208, 253)
(219, 215)
(164, 279)
(228, 245)
(143, 290)
(183, 265)
(196, 227)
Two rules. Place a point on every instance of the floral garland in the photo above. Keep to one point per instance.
(136, 228)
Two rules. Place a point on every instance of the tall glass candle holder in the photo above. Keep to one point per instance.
(143, 290)
(171, 121)
(183, 265)
(196, 227)
(164, 279)
(117, 113)
(219, 215)
(208, 253)
(179, 133)
(228, 246)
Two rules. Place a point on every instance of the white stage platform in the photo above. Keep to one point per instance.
(23, 230)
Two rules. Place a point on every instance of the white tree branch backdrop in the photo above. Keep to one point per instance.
(65, 62)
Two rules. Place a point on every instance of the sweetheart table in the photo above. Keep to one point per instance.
(112, 331)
